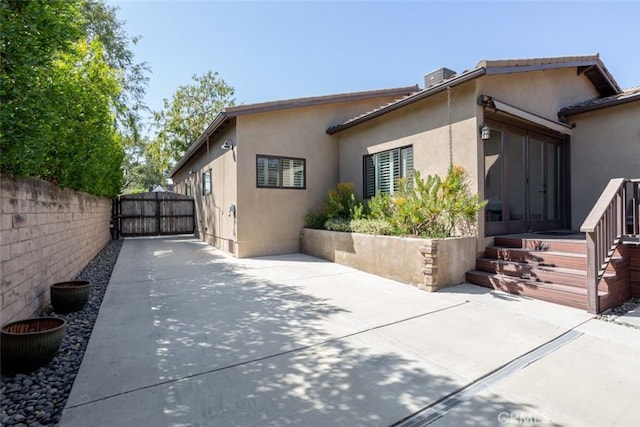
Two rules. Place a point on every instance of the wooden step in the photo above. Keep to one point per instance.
(532, 272)
(545, 274)
(553, 245)
(552, 292)
(541, 258)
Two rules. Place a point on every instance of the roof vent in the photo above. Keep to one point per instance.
(437, 76)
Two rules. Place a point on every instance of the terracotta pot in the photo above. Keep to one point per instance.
(67, 297)
(31, 343)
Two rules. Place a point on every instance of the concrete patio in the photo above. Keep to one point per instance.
(187, 335)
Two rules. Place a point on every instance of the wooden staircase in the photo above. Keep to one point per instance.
(546, 268)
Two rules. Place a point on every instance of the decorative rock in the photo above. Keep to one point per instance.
(38, 398)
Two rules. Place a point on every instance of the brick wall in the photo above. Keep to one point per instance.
(47, 235)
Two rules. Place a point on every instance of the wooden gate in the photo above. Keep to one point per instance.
(152, 214)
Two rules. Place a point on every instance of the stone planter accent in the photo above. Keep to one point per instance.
(430, 264)
(31, 343)
(67, 297)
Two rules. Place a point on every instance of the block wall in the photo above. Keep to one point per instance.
(47, 235)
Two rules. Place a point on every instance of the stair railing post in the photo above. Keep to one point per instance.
(593, 303)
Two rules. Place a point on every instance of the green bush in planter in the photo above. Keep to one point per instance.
(338, 224)
(372, 226)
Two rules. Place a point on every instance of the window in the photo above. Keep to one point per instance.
(280, 172)
(206, 182)
(382, 170)
(187, 187)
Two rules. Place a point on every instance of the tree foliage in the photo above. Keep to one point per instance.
(67, 79)
(187, 114)
(140, 168)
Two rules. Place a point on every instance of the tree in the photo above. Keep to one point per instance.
(33, 34)
(70, 93)
(140, 169)
(101, 23)
(188, 113)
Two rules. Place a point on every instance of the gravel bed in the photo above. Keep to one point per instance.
(37, 399)
(613, 314)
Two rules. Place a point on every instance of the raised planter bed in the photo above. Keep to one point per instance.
(427, 263)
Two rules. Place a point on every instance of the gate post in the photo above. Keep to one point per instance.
(158, 213)
(114, 224)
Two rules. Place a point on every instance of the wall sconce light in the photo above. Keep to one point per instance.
(227, 145)
(485, 132)
(192, 172)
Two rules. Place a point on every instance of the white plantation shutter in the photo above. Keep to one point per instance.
(293, 173)
(273, 173)
(406, 155)
(382, 170)
(268, 172)
(384, 175)
(280, 172)
(262, 164)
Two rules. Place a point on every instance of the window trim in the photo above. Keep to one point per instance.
(280, 172)
(206, 179)
(370, 156)
(187, 187)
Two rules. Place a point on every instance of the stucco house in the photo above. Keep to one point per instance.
(257, 169)
(555, 131)
(540, 139)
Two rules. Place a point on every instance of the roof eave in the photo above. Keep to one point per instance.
(591, 67)
(425, 93)
(318, 100)
(215, 124)
(572, 111)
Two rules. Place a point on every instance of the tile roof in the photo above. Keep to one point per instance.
(537, 62)
(232, 112)
(590, 65)
(409, 99)
(628, 95)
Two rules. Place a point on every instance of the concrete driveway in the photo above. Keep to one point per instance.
(187, 335)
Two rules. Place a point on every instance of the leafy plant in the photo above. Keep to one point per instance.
(342, 202)
(338, 224)
(371, 226)
(430, 207)
(315, 219)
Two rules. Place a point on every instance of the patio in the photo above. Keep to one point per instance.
(187, 335)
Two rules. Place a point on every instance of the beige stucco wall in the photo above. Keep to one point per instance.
(47, 235)
(540, 92)
(425, 126)
(270, 219)
(214, 224)
(605, 145)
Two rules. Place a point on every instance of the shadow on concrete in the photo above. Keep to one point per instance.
(196, 339)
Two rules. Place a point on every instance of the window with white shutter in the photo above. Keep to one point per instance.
(382, 170)
(206, 182)
(280, 172)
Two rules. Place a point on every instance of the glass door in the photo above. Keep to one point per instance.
(522, 172)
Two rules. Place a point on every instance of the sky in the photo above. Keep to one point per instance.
(273, 50)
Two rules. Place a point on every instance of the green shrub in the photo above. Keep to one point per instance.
(342, 202)
(315, 219)
(338, 224)
(372, 226)
(430, 207)
(380, 206)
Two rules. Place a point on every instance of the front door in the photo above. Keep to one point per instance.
(522, 170)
